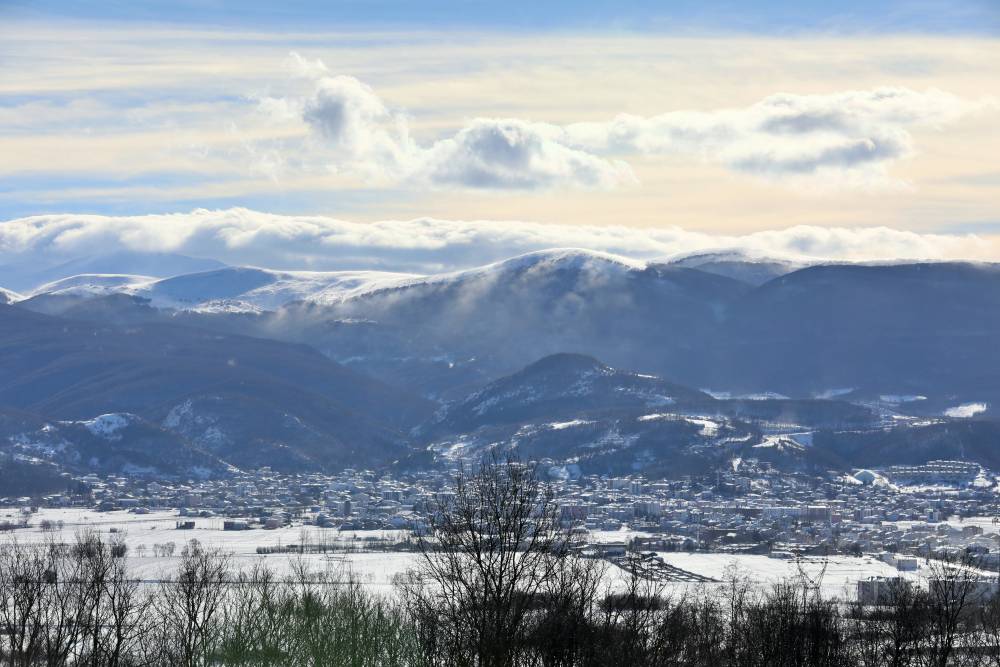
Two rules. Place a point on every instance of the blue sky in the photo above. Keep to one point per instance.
(756, 16)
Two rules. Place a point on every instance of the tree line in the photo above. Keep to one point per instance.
(497, 584)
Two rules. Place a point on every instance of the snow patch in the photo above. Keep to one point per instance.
(781, 443)
(965, 410)
(709, 428)
(901, 398)
(8, 296)
(107, 426)
(559, 426)
(761, 396)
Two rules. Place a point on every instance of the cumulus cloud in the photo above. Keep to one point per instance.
(510, 153)
(358, 127)
(362, 135)
(241, 236)
(848, 138)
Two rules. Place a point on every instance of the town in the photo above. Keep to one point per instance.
(939, 510)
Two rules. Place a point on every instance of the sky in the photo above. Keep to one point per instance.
(612, 125)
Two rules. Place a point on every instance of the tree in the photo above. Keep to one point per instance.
(496, 547)
(113, 615)
(190, 605)
(952, 592)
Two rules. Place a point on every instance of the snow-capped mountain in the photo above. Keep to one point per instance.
(508, 314)
(232, 289)
(868, 327)
(246, 288)
(743, 265)
(92, 284)
(27, 273)
(252, 288)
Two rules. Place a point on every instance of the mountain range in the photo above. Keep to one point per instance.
(244, 367)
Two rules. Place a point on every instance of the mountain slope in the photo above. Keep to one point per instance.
(118, 443)
(27, 274)
(71, 370)
(921, 329)
(237, 289)
(573, 409)
(855, 330)
(7, 296)
(500, 317)
(566, 385)
(739, 265)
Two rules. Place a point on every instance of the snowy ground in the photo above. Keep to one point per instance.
(158, 528)
(987, 523)
(836, 576)
(377, 570)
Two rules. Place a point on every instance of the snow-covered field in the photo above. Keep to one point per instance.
(377, 570)
(142, 532)
(836, 576)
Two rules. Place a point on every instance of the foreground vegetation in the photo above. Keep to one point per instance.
(498, 586)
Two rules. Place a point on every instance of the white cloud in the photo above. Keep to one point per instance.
(241, 236)
(305, 68)
(513, 154)
(361, 135)
(848, 138)
(358, 129)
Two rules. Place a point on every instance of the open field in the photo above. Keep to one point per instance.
(350, 555)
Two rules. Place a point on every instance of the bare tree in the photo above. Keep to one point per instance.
(191, 603)
(953, 589)
(890, 633)
(112, 608)
(497, 546)
(23, 592)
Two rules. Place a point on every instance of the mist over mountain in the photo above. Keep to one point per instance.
(867, 330)
(252, 367)
(753, 269)
(27, 273)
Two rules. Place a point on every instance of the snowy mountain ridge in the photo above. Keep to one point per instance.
(235, 289)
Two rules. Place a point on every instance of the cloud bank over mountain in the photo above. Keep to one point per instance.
(240, 236)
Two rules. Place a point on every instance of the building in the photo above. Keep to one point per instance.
(880, 590)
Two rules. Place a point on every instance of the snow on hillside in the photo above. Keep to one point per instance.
(257, 289)
(231, 288)
(901, 398)
(107, 426)
(965, 410)
(760, 396)
(544, 260)
(591, 262)
(559, 426)
(9, 296)
(749, 266)
(96, 284)
(261, 288)
(699, 257)
(782, 443)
